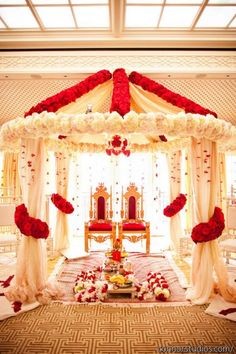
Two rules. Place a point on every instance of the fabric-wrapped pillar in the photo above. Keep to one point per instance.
(206, 256)
(62, 173)
(31, 272)
(174, 164)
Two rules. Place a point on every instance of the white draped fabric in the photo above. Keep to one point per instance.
(97, 98)
(62, 173)
(143, 101)
(31, 271)
(174, 165)
(206, 256)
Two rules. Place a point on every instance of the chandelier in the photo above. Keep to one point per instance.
(117, 145)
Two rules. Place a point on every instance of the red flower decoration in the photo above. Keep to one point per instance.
(167, 95)
(211, 230)
(120, 101)
(30, 226)
(7, 282)
(53, 103)
(16, 306)
(175, 206)
(62, 204)
(117, 146)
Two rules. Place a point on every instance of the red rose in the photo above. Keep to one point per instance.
(61, 203)
(175, 206)
(116, 141)
(30, 226)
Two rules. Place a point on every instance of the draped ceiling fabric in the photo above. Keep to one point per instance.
(206, 256)
(31, 271)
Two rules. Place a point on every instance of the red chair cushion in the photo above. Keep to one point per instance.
(134, 226)
(100, 226)
(101, 208)
(132, 208)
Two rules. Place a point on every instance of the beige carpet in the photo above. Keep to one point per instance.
(101, 329)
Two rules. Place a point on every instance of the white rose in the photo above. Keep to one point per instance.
(166, 293)
(131, 121)
(98, 122)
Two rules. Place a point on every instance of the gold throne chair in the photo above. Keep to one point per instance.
(100, 227)
(133, 227)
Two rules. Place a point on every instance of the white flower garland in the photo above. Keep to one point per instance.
(179, 125)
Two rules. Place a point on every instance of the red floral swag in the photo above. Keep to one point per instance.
(62, 204)
(30, 226)
(53, 103)
(174, 207)
(211, 230)
(120, 101)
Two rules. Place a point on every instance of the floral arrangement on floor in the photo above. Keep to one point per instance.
(88, 289)
(211, 230)
(117, 146)
(30, 226)
(155, 285)
(174, 207)
(62, 204)
(53, 103)
(120, 101)
(168, 95)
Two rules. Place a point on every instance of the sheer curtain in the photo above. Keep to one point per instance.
(174, 164)
(143, 169)
(61, 229)
(10, 180)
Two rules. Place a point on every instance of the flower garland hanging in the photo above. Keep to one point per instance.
(62, 204)
(53, 103)
(211, 230)
(117, 146)
(30, 226)
(120, 101)
(167, 95)
(174, 207)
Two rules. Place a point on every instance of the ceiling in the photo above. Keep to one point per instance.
(38, 24)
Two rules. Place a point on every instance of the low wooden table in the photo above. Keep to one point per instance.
(129, 290)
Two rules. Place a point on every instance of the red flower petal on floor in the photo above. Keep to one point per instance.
(16, 306)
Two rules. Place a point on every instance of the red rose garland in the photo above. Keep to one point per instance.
(175, 206)
(30, 226)
(121, 96)
(211, 230)
(167, 95)
(62, 204)
(53, 103)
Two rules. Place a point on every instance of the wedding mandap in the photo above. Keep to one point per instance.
(149, 118)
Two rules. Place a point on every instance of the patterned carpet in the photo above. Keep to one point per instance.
(101, 329)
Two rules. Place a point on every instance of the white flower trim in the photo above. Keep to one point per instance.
(66, 146)
(179, 125)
